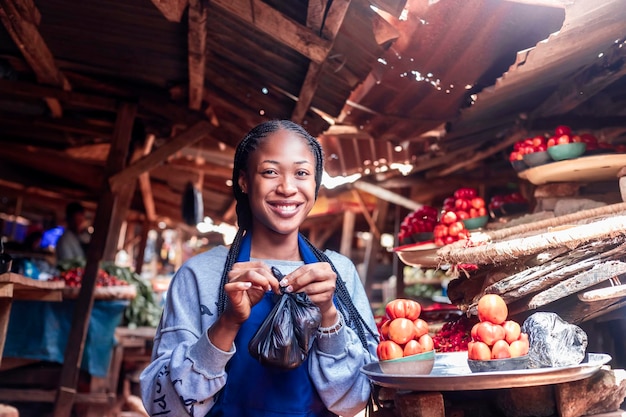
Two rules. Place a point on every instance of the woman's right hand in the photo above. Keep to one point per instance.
(247, 283)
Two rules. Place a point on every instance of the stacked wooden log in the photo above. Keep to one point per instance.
(573, 265)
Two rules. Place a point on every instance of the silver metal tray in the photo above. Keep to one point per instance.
(451, 373)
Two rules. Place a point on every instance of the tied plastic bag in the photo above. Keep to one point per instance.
(553, 341)
(287, 333)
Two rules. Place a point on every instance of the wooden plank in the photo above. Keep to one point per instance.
(188, 137)
(278, 26)
(196, 55)
(598, 273)
(20, 18)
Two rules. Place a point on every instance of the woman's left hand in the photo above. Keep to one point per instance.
(318, 281)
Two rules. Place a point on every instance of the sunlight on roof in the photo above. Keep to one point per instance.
(333, 182)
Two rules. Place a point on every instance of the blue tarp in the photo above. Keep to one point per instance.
(40, 330)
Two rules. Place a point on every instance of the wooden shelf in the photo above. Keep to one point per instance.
(18, 287)
(586, 169)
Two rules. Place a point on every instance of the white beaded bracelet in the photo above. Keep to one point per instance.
(334, 329)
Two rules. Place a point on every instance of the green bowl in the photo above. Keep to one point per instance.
(419, 364)
(475, 222)
(567, 151)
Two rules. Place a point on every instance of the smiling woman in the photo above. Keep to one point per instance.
(218, 300)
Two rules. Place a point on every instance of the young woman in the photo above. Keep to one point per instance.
(217, 300)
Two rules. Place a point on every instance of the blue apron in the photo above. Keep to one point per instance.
(254, 390)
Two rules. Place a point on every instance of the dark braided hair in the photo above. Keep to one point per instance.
(248, 145)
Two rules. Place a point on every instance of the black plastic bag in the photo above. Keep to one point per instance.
(287, 333)
(553, 341)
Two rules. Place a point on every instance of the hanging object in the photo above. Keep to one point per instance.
(192, 205)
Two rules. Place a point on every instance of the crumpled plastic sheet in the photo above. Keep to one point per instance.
(553, 341)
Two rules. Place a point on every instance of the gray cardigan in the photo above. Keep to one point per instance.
(183, 352)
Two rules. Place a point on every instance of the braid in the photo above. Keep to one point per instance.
(233, 253)
(345, 304)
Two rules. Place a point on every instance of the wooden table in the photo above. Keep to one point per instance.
(17, 287)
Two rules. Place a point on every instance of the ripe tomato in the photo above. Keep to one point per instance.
(562, 130)
(512, 331)
(448, 217)
(401, 330)
(482, 212)
(500, 350)
(427, 342)
(489, 333)
(462, 215)
(478, 202)
(552, 141)
(479, 352)
(403, 307)
(413, 347)
(440, 231)
(518, 348)
(474, 332)
(455, 228)
(421, 328)
(388, 349)
(563, 139)
(384, 330)
(491, 307)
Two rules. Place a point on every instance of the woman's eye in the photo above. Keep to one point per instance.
(268, 172)
(302, 173)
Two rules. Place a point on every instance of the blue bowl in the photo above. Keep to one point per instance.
(567, 151)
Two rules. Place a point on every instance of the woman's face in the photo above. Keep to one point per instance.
(280, 183)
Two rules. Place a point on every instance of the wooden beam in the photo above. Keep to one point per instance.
(84, 305)
(24, 89)
(347, 233)
(278, 26)
(54, 163)
(479, 156)
(334, 19)
(188, 137)
(172, 9)
(21, 18)
(123, 127)
(368, 217)
(196, 46)
(386, 195)
(145, 186)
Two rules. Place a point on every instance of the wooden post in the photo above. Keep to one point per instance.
(102, 235)
(347, 233)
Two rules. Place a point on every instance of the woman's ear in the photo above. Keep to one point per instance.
(243, 183)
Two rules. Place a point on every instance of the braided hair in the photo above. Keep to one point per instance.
(247, 146)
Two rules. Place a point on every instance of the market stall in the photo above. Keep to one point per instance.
(568, 265)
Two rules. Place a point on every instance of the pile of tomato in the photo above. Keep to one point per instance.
(402, 332)
(495, 337)
(422, 220)
(74, 277)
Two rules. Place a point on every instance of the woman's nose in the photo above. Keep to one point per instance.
(287, 185)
